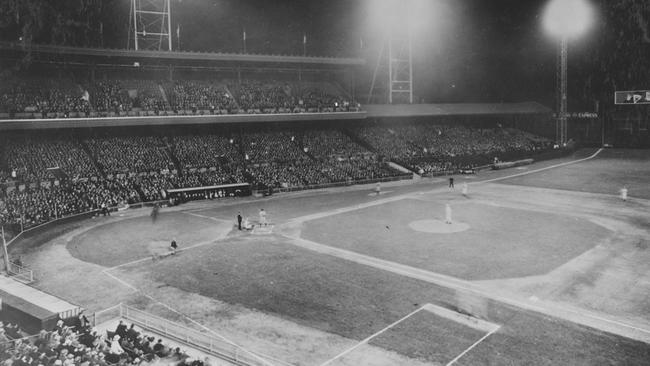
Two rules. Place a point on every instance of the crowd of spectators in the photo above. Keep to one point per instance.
(28, 158)
(285, 97)
(263, 97)
(84, 345)
(10, 331)
(130, 154)
(428, 148)
(274, 160)
(111, 170)
(345, 159)
(145, 94)
(196, 95)
(332, 144)
(152, 185)
(271, 146)
(123, 95)
(323, 98)
(108, 97)
(204, 151)
(38, 204)
(285, 159)
(41, 96)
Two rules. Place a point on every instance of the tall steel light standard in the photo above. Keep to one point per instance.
(565, 19)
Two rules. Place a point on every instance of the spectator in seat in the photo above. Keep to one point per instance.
(132, 334)
(159, 348)
(121, 329)
(116, 348)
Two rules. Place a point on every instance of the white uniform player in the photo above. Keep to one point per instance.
(447, 214)
(624, 193)
(378, 189)
(465, 189)
(262, 217)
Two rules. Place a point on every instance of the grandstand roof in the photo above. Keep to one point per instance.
(454, 109)
(182, 56)
(36, 303)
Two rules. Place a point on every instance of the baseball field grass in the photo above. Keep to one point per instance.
(223, 275)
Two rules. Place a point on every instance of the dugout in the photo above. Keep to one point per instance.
(31, 309)
(210, 192)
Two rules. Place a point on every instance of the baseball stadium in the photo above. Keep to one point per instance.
(358, 183)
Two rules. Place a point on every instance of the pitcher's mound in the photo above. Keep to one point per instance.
(438, 227)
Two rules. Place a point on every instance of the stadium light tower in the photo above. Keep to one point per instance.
(394, 61)
(150, 25)
(565, 19)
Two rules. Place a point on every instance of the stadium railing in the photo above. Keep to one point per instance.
(202, 341)
(20, 273)
(106, 315)
(11, 344)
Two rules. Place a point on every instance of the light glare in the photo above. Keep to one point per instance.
(567, 18)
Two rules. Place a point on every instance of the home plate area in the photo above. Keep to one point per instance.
(262, 229)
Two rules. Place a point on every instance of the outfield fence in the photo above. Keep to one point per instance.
(202, 341)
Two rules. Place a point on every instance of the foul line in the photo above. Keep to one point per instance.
(262, 357)
(321, 215)
(203, 243)
(204, 216)
(577, 316)
(120, 281)
(371, 337)
(472, 346)
(541, 169)
(209, 330)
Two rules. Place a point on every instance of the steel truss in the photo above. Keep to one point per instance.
(150, 25)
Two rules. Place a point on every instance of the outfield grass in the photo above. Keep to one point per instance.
(355, 301)
(500, 243)
(607, 173)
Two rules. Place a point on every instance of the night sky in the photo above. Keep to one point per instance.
(464, 50)
(470, 50)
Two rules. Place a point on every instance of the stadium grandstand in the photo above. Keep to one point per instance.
(113, 110)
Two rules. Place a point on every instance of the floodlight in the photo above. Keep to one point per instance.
(567, 18)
